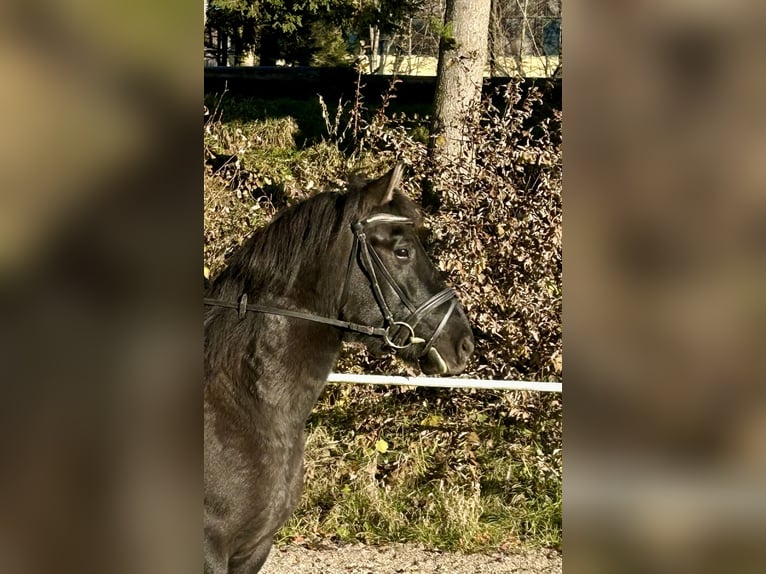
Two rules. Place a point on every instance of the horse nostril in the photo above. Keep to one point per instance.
(465, 348)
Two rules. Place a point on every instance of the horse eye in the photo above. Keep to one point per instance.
(402, 253)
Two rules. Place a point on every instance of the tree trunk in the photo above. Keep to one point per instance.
(462, 57)
(374, 47)
(409, 47)
(494, 38)
(223, 49)
(268, 51)
(523, 41)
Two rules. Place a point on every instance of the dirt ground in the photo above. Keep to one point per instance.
(402, 558)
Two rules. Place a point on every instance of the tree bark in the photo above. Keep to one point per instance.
(462, 58)
(374, 47)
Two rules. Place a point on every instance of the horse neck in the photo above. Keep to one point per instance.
(268, 362)
(274, 372)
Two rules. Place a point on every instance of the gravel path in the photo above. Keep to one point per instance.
(403, 558)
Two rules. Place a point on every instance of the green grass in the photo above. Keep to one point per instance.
(466, 471)
(306, 114)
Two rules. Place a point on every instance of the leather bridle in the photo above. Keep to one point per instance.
(372, 265)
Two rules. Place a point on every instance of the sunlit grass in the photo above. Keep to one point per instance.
(446, 480)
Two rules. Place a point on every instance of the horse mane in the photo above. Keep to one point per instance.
(270, 260)
(271, 257)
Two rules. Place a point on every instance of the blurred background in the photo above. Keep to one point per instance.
(664, 276)
(100, 243)
(664, 284)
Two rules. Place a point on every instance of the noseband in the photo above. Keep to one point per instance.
(397, 334)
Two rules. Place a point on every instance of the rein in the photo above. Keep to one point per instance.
(370, 262)
(243, 307)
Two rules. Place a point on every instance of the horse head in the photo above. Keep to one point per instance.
(391, 282)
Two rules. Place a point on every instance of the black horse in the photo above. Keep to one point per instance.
(337, 267)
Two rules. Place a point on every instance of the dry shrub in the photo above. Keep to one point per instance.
(497, 233)
(499, 237)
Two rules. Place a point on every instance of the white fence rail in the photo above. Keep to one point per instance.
(445, 382)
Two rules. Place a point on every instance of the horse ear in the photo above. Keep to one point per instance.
(381, 191)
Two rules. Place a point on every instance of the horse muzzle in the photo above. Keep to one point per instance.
(436, 362)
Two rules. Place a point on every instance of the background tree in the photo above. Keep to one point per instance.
(378, 25)
(462, 58)
(522, 29)
(304, 32)
(275, 29)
